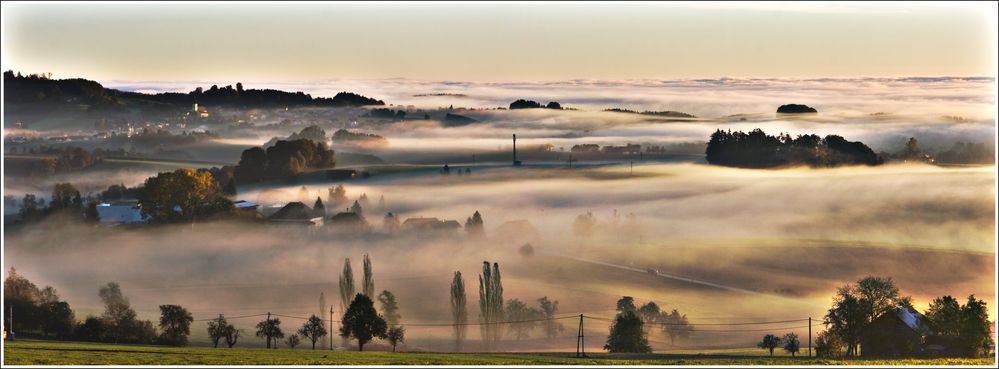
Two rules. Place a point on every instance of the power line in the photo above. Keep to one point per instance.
(227, 318)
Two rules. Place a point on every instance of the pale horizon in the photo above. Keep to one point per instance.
(498, 42)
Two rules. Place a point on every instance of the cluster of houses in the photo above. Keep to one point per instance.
(296, 213)
(353, 220)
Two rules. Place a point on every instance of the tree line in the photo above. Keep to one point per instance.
(756, 149)
(37, 88)
(283, 160)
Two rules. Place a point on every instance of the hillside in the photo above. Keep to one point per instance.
(42, 92)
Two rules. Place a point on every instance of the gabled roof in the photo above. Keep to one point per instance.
(293, 211)
(346, 218)
(909, 317)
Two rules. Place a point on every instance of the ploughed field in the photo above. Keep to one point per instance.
(71, 353)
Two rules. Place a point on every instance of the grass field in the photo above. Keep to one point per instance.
(72, 353)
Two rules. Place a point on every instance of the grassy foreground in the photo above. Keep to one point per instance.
(72, 353)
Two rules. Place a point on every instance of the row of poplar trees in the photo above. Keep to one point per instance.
(490, 306)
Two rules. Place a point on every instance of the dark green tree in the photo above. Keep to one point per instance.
(459, 310)
(175, 321)
(945, 315)
(491, 304)
(362, 322)
(627, 335)
(976, 334)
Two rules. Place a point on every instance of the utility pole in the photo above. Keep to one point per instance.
(580, 343)
(268, 326)
(809, 336)
(331, 327)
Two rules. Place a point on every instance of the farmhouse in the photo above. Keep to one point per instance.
(897, 333)
(347, 221)
(296, 213)
(421, 224)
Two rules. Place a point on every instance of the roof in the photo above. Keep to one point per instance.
(293, 211)
(242, 204)
(346, 218)
(909, 317)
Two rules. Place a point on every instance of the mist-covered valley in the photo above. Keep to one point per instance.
(719, 244)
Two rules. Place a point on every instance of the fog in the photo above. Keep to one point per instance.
(763, 245)
(970, 97)
(733, 245)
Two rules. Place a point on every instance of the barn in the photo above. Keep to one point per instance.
(900, 332)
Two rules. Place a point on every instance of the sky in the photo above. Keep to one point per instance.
(497, 41)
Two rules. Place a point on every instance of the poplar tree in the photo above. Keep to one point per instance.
(459, 312)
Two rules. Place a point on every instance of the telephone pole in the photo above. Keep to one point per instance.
(331, 327)
(268, 327)
(580, 343)
(809, 336)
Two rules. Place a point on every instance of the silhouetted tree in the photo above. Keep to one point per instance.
(769, 343)
(217, 329)
(362, 322)
(175, 321)
(626, 334)
(944, 315)
(346, 285)
(293, 341)
(313, 329)
(270, 329)
(395, 336)
(791, 344)
(625, 304)
(474, 226)
(976, 337)
(459, 312)
(490, 303)
(231, 335)
(828, 344)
